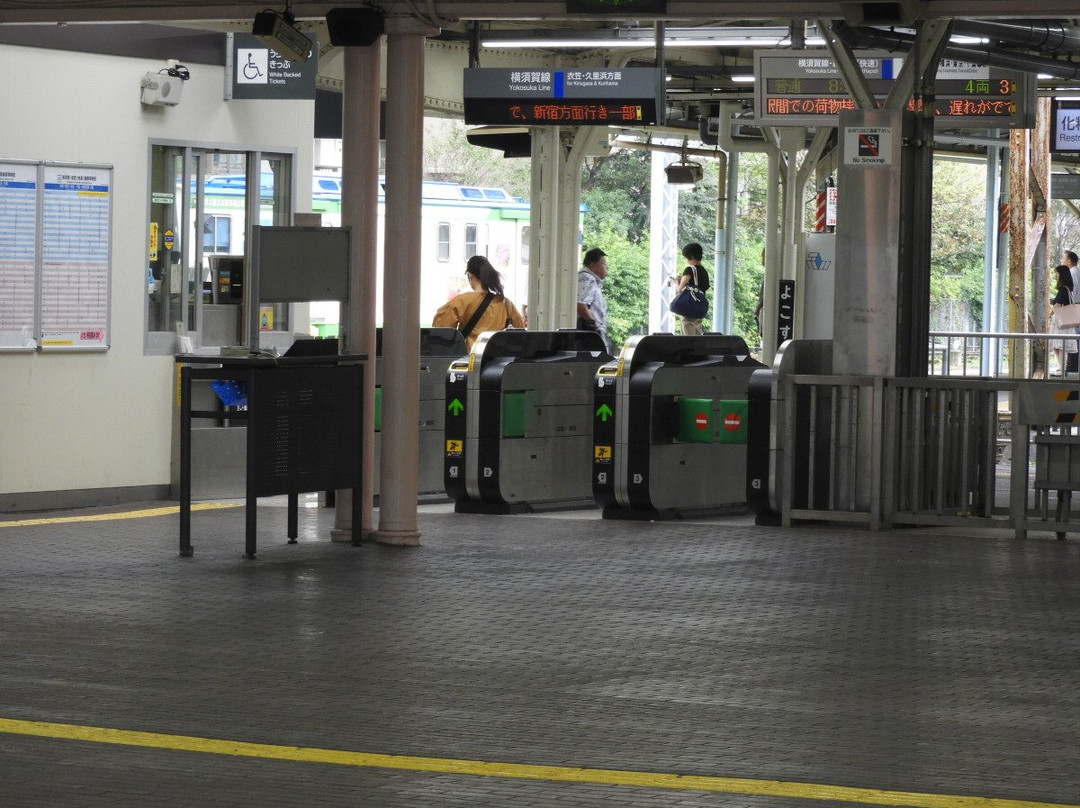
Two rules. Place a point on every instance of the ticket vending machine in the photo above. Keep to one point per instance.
(670, 427)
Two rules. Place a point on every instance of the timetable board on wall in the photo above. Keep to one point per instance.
(55, 231)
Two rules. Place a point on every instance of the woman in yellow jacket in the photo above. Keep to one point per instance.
(486, 284)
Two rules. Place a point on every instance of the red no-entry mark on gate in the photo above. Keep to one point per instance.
(732, 422)
(701, 420)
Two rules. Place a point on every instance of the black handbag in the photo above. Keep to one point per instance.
(691, 302)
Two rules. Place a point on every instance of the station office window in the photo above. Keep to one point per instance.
(199, 212)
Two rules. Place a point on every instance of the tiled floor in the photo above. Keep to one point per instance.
(811, 666)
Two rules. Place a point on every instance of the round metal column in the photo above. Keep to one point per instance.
(360, 211)
(400, 460)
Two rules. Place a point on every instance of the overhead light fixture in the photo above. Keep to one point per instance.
(702, 37)
(276, 30)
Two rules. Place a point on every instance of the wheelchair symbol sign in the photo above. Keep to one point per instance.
(252, 66)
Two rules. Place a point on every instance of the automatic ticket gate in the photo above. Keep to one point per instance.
(519, 421)
(438, 348)
(669, 435)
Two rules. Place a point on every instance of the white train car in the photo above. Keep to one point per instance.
(459, 221)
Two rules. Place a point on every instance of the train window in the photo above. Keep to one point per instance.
(496, 194)
(442, 242)
(525, 245)
(217, 233)
(470, 240)
(472, 193)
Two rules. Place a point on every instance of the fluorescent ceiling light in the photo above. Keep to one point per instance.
(745, 78)
(749, 42)
(732, 37)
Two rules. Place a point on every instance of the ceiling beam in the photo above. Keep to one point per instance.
(453, 11)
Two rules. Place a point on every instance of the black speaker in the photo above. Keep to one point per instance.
(354, 26)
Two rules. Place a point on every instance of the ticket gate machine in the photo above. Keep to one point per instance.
(519, 421)
(670, 427)
(438, 348)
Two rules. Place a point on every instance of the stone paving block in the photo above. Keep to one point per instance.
(906, 661)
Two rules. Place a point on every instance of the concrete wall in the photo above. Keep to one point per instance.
(80, 429)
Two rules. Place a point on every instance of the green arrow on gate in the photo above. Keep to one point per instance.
(456, 407)
(604, 412)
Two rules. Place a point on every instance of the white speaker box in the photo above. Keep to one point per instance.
(161, 89)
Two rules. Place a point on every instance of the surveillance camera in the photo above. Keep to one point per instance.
(276, 31)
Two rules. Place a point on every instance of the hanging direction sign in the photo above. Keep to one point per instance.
(805, 88)
(594, 96)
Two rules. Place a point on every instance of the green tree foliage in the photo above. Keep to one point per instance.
(748, 268)
(448, 155)
(957, 245)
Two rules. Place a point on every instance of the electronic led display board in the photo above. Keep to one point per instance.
(805, 88)
(593, 96)
(1065, 125)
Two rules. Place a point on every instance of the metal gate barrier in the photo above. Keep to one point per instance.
(670, 427)
(438, 348)
(519, 421)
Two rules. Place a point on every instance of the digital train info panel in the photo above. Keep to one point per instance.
(805, 88)
(593, 96)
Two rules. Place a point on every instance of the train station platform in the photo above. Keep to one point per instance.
(533, 660)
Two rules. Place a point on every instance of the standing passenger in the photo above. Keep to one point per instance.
(591, 306)
(1063, 297)
(697, 276)
(1068, 258)
(484, 308)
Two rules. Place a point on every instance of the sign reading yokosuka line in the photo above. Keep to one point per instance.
(805, 88)
(593, 96)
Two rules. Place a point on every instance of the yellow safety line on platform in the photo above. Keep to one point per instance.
(108, 517)
(564, 774)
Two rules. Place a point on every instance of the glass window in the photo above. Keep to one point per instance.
(442, 242)
(525, 245)
(200, 209)
(470, 241)
(217, 233)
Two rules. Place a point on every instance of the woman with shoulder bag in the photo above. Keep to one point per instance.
(484, 308)
(1062, 297)
(696, 277)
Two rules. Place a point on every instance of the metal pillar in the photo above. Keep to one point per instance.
(721, 305)
(724, 294)
(544, 228)
(991, 305)
(400, 457)
(360, 211)
(663, 243)
(1019, 219)
(769, 343)
(554, 243)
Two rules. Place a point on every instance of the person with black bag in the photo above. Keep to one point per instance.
(484, 308)
(696, 279)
